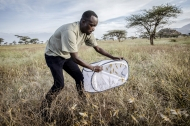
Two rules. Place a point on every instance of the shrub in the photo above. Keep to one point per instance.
(173, 40)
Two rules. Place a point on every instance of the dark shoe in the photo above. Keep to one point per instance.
(46, 105)
(45, 111)
(46, 115)
(82, 98)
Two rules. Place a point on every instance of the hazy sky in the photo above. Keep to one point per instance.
(40, 18)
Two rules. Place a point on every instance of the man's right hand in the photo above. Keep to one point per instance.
(96, 68)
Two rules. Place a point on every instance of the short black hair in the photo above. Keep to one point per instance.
(88, 14)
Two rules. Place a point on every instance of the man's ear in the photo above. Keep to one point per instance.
(83, 21)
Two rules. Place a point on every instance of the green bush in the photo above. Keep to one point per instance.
(173, 40)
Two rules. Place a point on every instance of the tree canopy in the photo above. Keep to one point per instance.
(167, 32)
(34, 41)
(153, 18)
(119, 34)
(1, 40)
(27, 40)
(14, 42)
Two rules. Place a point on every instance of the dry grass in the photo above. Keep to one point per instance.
(156, 93)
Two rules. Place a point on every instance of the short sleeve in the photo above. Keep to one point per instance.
(91, 41)
(68, 40)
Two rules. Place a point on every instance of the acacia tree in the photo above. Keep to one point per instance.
(153, 18)
(116, 33)
(167, 32)
(1, 40)
(105, 36)
(14, 42)
(34, 41)
(23, 39)
(18, 36)
(20, 42)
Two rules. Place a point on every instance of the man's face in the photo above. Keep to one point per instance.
(88, 25)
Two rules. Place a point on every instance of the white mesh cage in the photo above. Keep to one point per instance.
(114, 73)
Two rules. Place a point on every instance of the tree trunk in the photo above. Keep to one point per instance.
(160, 36)
(151, 39)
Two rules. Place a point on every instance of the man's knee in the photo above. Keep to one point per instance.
(79, 78)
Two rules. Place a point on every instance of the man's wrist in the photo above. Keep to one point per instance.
(92, 68)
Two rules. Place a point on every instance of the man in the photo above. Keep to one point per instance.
(62, 53)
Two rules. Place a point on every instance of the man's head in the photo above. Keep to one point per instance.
(88, 22)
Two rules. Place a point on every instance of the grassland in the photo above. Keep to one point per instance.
(156, 93)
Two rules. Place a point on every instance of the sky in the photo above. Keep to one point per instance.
(40, 18)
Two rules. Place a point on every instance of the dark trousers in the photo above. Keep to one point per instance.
(56, 65)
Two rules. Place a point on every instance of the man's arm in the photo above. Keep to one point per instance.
(77, 60)
(101, 51)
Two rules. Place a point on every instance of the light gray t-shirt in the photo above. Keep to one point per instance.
(67, 39)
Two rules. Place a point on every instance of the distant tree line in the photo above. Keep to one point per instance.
(164, 33)
(27, 40)
(22, 40)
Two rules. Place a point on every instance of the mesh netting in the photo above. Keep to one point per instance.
(114, 73)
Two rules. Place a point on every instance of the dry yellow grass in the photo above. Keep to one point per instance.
(156, 93)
